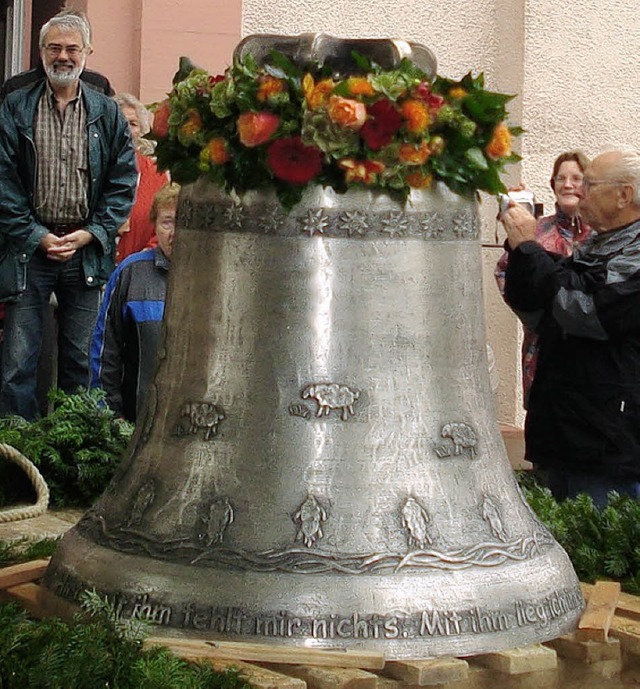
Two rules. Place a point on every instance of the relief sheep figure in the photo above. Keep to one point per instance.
(462, 436)
(202, 415)
(332, 396)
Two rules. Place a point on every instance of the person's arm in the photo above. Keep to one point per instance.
(107, 344)
(17, 222)
(598, 304)
(119, 185)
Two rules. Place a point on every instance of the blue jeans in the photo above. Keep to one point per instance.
(23, 330)
(568, 484)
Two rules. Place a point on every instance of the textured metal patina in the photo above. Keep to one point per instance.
(319, 462)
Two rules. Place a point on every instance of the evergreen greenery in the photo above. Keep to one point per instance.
(602, 543)
(94, 650)
(12, 553)
(76, 447)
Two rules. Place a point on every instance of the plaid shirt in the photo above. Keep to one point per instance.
(62, 183)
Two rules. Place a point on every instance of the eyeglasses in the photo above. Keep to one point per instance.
(54, 49)
(574, 179)
(588, 183)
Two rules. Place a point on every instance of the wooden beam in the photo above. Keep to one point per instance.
(23, 573)
(588, 652)
(271, 653)
(428, 672)
(257, 676)
(601, 607)
(330, 677)
(40, 602)
(516, 661)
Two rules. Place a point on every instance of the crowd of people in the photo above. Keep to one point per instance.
(86, 219)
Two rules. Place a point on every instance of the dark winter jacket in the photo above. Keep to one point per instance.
(125, 339)
(94, 80)
(584, 409)
(112, 184)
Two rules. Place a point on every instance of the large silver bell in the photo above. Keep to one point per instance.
(319, 463)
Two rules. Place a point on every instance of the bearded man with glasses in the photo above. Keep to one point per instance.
(583, 422)
(92, 79)
(68, 174)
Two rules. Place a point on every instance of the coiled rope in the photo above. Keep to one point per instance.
(42, 490)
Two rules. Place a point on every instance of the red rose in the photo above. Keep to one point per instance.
(291, 161)
(382, 124)
(160, 125)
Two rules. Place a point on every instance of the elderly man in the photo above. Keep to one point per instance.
(68, 181)
(583, 423)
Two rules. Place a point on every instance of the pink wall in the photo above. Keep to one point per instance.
(138, 43)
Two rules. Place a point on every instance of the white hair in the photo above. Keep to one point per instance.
(627, 169)
(128, 100)
(68, 21)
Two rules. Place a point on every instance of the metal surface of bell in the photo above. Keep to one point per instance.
(319, 463)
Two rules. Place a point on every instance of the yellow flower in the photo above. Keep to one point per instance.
(365, 171)
(193, 124)
(268, 87)
(500, 144)
(416, 115)
(360, 86)
(457, 92)
(316, 95)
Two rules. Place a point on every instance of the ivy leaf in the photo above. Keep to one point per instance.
(476, 157)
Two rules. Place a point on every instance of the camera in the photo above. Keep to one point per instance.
(524, 198)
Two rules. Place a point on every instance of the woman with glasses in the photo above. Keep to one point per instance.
(560, 233)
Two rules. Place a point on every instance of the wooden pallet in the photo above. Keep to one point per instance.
(609, 628)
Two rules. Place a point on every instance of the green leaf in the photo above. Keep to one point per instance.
(476, 157)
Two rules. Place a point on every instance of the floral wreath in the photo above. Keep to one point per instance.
(280, 126)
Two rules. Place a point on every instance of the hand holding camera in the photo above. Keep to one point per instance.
(517, 214)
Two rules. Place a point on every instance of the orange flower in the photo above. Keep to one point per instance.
(346, 112)
(360, 86)
(457, 92)
(419, 180)
(216, 151)
(414, 155)
(193, 124)
(268, 87)
(500, 144)
(416, 115)
(255, 128)
(364, 171)
(160, 125)
(316, 95)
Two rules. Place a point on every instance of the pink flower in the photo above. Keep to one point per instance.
(291, 161)
(255, 128)
(346, 112)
